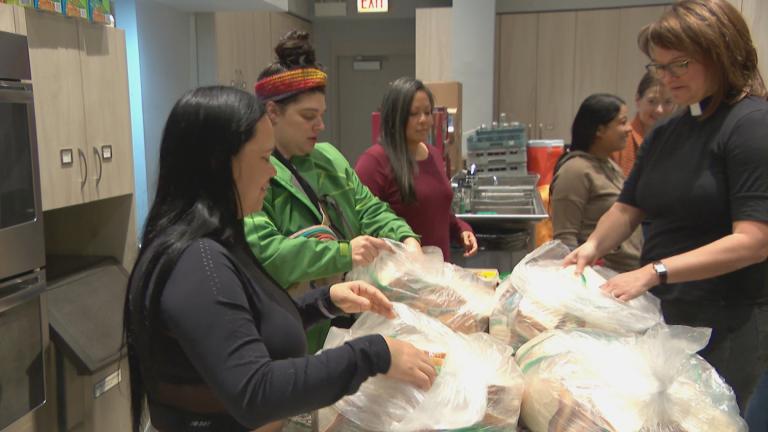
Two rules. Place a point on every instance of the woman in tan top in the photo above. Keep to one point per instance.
(654, 102)
(587, 181)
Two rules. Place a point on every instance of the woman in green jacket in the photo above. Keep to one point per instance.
(318, 219)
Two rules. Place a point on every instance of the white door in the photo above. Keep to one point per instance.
(360, 93)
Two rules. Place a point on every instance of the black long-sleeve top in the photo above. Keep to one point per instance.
(229, 328)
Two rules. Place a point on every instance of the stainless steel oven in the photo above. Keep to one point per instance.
(23, 338)
(22, 245)
(23, 320)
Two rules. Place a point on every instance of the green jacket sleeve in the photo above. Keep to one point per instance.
(282, 256)
(376, 217)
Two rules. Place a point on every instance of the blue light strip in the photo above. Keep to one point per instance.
(125, 13)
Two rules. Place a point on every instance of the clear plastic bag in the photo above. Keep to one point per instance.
(541, 295)
(586, 379)
(457, 297)
(478, 383)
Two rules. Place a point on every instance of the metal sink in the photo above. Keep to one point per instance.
(505, 200)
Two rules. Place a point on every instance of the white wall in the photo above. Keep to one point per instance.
(165, 50)
(333, 38)
(474, 34)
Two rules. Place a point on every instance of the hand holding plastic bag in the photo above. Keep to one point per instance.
(586, 379)
(541, 295)
(478, 384)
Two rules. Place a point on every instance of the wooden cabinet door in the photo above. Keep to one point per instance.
(260, 54)
(54, 55)
(107, 110)
(21, 21)
(632, 61)
(756, 14)
(232, 30)
(597, 54)
(434, 44)
(7, 18)
(517, 68)
(555, 72)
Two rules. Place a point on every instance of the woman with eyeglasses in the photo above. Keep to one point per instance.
(702, 179)
(409, 174)
(654, 103)
(318, 219)
(586, 181)
(214, 344)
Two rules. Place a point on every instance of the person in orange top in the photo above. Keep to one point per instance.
(653, 103)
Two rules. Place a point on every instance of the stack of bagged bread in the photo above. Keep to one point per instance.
(541, 295)
(457, 297)
(592, 380)
(479, 384)
(594, 363)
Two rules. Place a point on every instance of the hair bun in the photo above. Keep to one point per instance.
(294, 50)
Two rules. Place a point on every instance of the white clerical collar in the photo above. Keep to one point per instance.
(695, 109)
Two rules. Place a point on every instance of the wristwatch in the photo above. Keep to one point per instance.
(661, 271)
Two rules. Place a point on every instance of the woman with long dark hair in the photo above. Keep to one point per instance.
(214, 344)
(701, 180)
(587, 182)
(408, 174)
(318, 219)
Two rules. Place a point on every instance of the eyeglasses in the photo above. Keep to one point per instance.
(675, 69)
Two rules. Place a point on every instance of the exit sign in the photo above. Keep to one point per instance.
(372, 6)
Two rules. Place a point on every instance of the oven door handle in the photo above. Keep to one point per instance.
(19, 290)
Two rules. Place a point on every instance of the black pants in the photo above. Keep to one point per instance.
(738, 348)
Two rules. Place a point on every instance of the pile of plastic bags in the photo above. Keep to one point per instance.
(479, 383)
(457, 297)
(592, 380)
(541, 295)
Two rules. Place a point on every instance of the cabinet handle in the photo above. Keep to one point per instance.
(541, 129)
(81, 155)
(101, 166)
(529, 130)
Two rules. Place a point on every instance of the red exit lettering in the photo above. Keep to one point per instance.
(372, 5)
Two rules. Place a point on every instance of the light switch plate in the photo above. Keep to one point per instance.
(106, 152)
(66, 156)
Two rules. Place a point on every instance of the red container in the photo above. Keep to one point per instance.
(542, 157)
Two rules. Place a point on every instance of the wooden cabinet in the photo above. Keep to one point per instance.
(434, 44)
(548, 62)
(518, 67)
(242, 47)
(245, 42)
(536, 71)
(597, 51)
(54, 54)
(107, 111)
(7, 18)
(79, 76)
(554, 96)
(12, 19)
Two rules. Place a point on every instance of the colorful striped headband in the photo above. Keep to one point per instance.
(290, 82)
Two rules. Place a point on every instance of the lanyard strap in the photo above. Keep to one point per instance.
(302, 182)
(307, 188)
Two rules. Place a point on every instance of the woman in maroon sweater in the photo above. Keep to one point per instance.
(410, 175)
